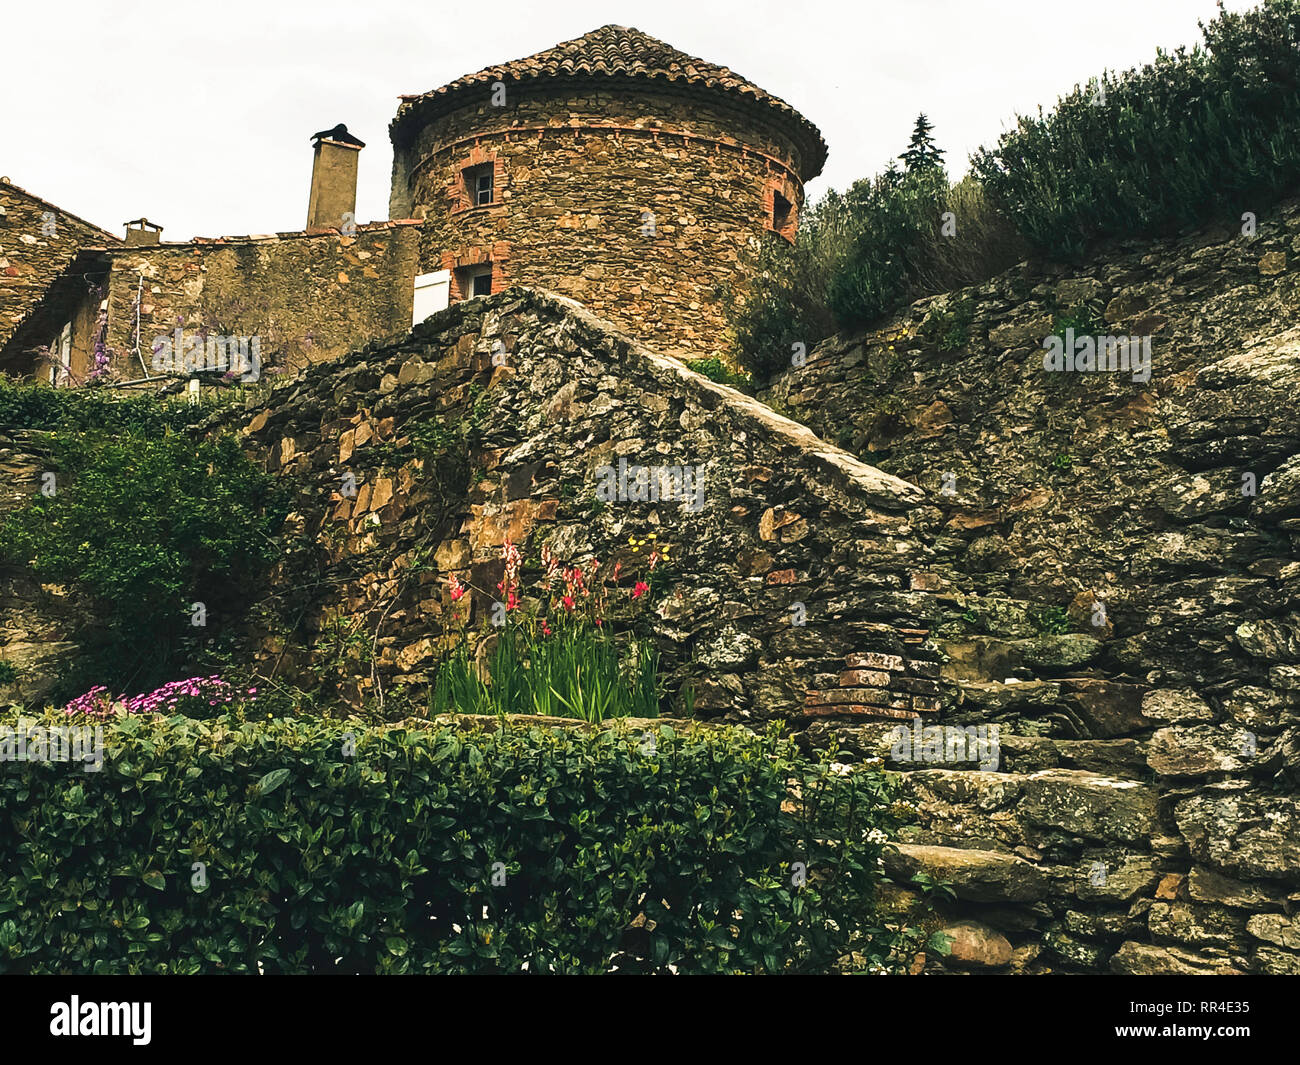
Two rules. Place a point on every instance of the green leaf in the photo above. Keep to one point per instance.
(272, 780)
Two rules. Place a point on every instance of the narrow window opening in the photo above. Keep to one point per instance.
(480, 184)
(782, 212)
(474, 281)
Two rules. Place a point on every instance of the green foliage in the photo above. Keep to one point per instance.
(785, 304)
(1181, 139)
(1052, 620)
(575, 670)
(1062, 461)
(718, 371)
(891, 216)
(71, 410)
(8, 672)
(1083, 318)
(328, 847)
(922, 153)
(863, 254)
(148, 527)
(949, 327)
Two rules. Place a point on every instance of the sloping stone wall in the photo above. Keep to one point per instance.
(797, 556)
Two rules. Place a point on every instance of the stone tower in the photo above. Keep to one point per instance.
(611, 168)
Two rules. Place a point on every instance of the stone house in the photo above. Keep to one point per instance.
(612, 168)
(299, 297)
(41, 282)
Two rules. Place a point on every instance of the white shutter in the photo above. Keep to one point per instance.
(432, 294)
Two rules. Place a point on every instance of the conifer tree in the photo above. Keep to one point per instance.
(922, 153)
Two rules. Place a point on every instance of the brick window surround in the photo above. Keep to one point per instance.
(460, 182)
(780, 208)
(462, 261)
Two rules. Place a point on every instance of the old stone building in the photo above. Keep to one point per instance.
(39, 245)
(141, 311)
(612, 168)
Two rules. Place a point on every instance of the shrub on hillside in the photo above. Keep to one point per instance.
(1194, 133)
(166, 535)
(75, 410)
(861, 255)
(311, 847)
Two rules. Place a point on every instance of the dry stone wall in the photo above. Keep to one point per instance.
(1125, 584)
(793, 556)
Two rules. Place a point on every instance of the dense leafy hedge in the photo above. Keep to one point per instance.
(1192, 134)
(618, 851)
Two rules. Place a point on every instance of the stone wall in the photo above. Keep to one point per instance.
(1124, 586)
(639, 202)
(36, 619)
(1138, 813)
(787, 526)
(309, 298)
(1136, 809)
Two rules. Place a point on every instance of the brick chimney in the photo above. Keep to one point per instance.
(333, 200)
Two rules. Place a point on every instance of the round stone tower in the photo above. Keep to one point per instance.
(611, 168)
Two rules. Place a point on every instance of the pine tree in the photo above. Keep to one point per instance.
(922, 153)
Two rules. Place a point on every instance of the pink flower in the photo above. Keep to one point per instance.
(640, 589)
(457, 589)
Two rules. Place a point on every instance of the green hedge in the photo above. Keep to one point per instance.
(169, 535)
(616, 855)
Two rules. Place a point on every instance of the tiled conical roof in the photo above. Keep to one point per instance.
(621, 52)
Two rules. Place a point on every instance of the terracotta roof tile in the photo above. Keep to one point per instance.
(620, 51)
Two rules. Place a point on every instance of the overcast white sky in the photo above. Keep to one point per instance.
(198, 115)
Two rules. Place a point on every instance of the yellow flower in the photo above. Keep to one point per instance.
(652, 536)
